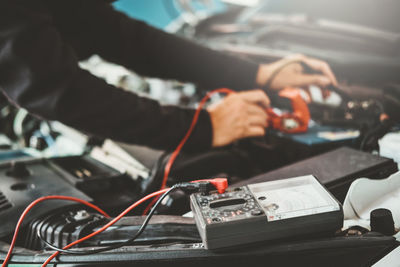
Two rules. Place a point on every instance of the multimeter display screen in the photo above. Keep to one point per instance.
(227, 203)
(291, 198)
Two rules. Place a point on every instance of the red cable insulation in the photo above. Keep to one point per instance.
(34, 203)
(178, 149)
(167, 170)
(116, 219)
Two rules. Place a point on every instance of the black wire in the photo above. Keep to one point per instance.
(125, 243)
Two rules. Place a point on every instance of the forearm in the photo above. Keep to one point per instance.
(172, 57)
(40, 73)
(152, 52)
(113, 113)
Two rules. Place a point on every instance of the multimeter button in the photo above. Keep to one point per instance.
(256, 212)
(216, 219)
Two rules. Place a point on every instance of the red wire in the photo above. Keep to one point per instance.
(178, 149)
(150, 196)
(34, 203)
(116, 219)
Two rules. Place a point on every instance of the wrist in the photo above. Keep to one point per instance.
(263, 74)
(213, 120)
(218, 138)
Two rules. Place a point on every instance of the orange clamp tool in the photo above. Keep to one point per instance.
(295, 122)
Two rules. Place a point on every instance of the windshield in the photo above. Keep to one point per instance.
(379, 14)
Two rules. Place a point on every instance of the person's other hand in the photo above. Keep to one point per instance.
(239, 115)
(291, 73)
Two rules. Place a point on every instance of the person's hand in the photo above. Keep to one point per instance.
(239, 115)
(289, 72)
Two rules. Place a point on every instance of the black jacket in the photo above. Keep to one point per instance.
(41, 42)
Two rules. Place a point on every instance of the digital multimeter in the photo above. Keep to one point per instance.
(266, 211)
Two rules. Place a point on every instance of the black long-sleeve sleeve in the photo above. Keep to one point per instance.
(39, 51)
(98, 28)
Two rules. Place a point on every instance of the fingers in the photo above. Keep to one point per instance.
(303, 80)
(238, 116)
(317, 65)
(321, 66)
(258, 97)
(258, 121)
(291, 73)
(255, 131)
(256, 110)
